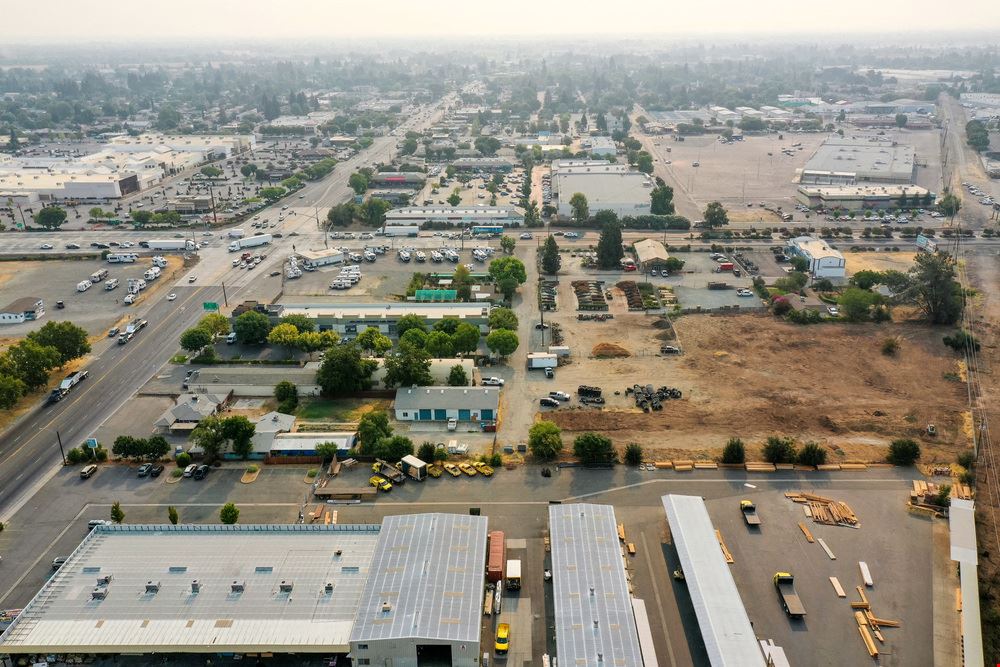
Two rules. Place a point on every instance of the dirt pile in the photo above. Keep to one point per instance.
(609, 351)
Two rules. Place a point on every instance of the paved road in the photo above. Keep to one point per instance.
(29, 452)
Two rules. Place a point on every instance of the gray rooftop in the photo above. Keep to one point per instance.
(444, 398)
(869, 160)
(593, 609)
(426, 579)
(64, 617)
(725, 627)
(610, 188)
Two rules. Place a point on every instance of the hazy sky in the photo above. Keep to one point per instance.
(100, 20)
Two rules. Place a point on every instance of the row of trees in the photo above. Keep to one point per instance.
(139, 449)
(215, 434)
(372, 213)
(229, 514)
(28, 364)
(779, 449)
(375, 438)
(592, 449)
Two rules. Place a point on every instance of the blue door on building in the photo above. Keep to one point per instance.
(440, 415)
(425, 415)
(464, 415)
(487, 415)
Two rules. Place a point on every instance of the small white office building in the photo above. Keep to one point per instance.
(824, 261)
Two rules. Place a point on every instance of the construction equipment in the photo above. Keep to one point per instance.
(749, 513)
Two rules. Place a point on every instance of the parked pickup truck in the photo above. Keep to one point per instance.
(389, 471)
(749, 513)
(785, 583)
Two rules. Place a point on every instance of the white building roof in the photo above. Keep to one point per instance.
(64, 618)
(648, 250)
(447, 398)
(369, 311)
(725, 627)
(871, 160)
(600, 188)
(815, 248)
(426, 580)
(593, 610)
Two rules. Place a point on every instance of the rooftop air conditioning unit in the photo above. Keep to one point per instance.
(195, 586)
(152, 587)
(285, 586)
(238, 587)
(98, 594)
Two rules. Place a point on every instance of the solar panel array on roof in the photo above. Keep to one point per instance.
(426, 580)
(594, 620)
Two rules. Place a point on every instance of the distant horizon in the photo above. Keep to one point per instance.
(308, 20)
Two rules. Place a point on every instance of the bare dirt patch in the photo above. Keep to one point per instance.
(753, 376)
(878, 261)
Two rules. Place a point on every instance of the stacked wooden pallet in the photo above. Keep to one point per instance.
(825, 510)
(924, 494)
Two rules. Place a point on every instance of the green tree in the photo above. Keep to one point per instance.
(374, 342)
(551, 260)
(935, 289)
(462, 282)
(415, 337)
(408, 366)
(215, 323)
(426, 452)
(950, 205)
(508, 267)
(439, 345)
(466, 338)
(799, 263)
(327, 450)
(51, 217)
(715, 215)
(578, 204)
(358, 182)
(248, 170)
(633, 454)
(857, 303)
(507, 244)
(239, 430)
(195, 339)
(157, 447)
(545, 440)
(284, 335)
(375, 210)
(487, 146)
(251, 328)
(394, 448)
(532, 218)
(410, 321)
(672, 265)
(69, 339)
(457, 376)
(211, 172)
(593, 449)
(272, 194)
(901, 120)
(372, 427)
(502, 342)
(779, 450)
(344, 370)
(300, 322)
(811, 454)
(866, 279)
(903, 452)
(183, 460)
(168, 118)
(455, 198)
(142, 218)
(503, 318)
(734, 452)
(29, 362)
(341, 215)
(229, 514)
(117, 513)
(172, 514)
(208, 435)
(286, 394)
(662, 200)
(644, 162)
(609, 245)
(12, 389)
(127, 447)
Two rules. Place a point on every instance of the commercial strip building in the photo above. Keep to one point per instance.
(317, 258)
(484, 164)
(410, 587)
(453, 215)
(852, 161)
(422, 602)
(398, 179)
(725, 627)
(599, 145)
(606, 186)
(350, 319)
(861, 197)
(25, 309)
(444, 403)
(190, 409)
(824, 261)
(595, 624)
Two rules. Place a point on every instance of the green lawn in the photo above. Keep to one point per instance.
(337, 409)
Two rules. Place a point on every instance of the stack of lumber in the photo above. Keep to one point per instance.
(760, 467)
(924, 494)
(869, 624)
(706, 465)
(961, 491)
(663, 465)
(825, 510)
(725, 551)
(683, 466)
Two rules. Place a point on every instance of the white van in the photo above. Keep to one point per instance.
(231, 338)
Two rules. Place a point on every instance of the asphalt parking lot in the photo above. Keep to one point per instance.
(516, 501)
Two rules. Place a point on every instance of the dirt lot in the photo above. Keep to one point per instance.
(878, 261)
(752, 376)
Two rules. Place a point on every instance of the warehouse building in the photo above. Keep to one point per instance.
(824, 261)
(853, 161)
(483, 164)
(25, 309)
(453, 215)
(599, 146)
(350, 319)
(650, 254)
(316, 258)
(422, 603)
(444, 403)
(860, 197)
(595, 620)
(88, 186)
(606, 187)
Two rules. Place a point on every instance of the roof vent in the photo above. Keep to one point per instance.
(195, 587)
(285, 586)
(105, 580)
(386, 607)
(238, 587)
(98, 594)
(328, 588)
(152, 587)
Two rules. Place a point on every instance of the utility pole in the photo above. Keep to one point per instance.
(224, 299)
(61, 450)
(211, 193)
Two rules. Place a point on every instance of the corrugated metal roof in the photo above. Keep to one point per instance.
(426, 579)
(447, 398)
(725, 627)
(594, 620)
(63, 617)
